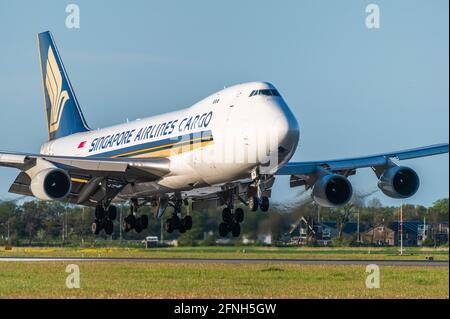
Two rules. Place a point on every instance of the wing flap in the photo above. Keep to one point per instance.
(103, 165)
(12, 159)
(21, 185)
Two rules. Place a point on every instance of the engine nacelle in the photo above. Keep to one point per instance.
(332, 190)
(399, 182)
(51, 184)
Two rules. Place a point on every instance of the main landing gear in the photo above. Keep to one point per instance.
(132, 222)
(231, 222)
(176, 222)
(104, 219)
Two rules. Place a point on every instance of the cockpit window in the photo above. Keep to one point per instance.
(275, 93)
(266, 92)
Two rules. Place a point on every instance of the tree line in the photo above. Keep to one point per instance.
(54, 223)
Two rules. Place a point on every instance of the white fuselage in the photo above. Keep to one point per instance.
(218, 140)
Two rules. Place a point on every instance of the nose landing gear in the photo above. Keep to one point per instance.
(262, 203)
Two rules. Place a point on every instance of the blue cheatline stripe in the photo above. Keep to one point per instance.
(159, 145)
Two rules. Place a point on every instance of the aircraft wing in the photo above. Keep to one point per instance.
(128, 170)
(86, 171)
(349, 165)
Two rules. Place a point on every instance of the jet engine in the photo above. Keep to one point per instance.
(399, 182)
(51, 184)
(332, 190)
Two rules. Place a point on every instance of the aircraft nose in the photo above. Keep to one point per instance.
(288, 134)
(284, 127)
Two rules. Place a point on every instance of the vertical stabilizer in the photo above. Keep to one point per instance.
(64, 116)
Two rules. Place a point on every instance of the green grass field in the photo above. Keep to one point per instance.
(411, 253)
(188, 280)
(162, 280)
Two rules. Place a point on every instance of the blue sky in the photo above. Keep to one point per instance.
(355, 91)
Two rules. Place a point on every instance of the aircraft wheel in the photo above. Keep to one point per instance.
(239, 215)
(188, 222)
(223, 229)
(112, 212)
(176, 222)
(131, 220)
(168, 225)
(264, 205)
(109, 227)
(96, 227)
(182, 228)
(235, 229)
(253, 203)
(99, 212)
(126, 227)
(138, 227)
(144, 221)
(227, 216)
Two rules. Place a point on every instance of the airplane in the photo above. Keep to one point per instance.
(224, 150)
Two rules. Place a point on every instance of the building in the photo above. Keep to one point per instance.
(423, 233)
(265, 239)
(417, 233)
(440, 233)
(349, 231)
(380, 235)
(305, 232)
(412, 232)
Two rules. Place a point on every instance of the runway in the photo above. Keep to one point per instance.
(398, 262)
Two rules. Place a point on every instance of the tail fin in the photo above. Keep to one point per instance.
(64, 116)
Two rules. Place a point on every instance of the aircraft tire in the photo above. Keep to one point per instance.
(264, 205)
(168, 226)
(239, 215)
(131, 220)
(112, 212)
(235, 229)
(144, 221)
(138, 227)
(227, 216)
(223, 229)
(96, 227)
(99, 212)
(109, 227)
(253, 203)
(188, 222)
(126, 227)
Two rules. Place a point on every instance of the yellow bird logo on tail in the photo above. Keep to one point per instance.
(57, 97)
